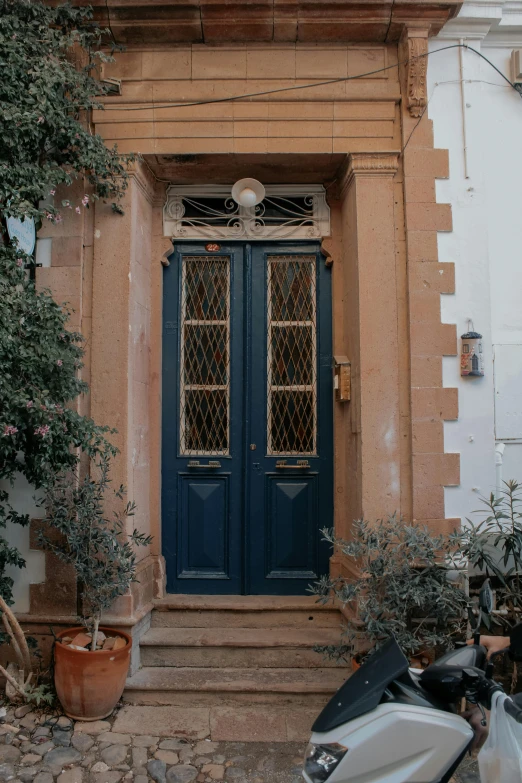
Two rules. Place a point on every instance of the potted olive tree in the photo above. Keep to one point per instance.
(91, 661)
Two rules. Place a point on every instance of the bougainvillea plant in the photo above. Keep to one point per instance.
(48, 61)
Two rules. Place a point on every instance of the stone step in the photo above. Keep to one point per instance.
(237, 723)
(214, 686)
(244, 611)
(238, 647)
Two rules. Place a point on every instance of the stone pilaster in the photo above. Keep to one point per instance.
(429, 339)
(371, 334)
(121, 361)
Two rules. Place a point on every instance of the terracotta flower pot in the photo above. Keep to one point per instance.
(356, 661)
(89, 684)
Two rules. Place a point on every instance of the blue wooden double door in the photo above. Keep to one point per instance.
(247, 418)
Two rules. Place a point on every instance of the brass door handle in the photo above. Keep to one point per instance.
(302, 464)
(212, 464)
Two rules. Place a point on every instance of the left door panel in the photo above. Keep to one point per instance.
(202, 416)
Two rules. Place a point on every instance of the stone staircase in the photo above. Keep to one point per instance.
(248, 660)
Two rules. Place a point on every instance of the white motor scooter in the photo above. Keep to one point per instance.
(392, 724)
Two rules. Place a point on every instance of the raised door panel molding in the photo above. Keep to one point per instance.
(203, 532)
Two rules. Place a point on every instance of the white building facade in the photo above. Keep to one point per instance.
(478, 117)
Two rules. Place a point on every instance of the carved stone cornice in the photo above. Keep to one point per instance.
(367, 164)
(413, 51)
(265, 21)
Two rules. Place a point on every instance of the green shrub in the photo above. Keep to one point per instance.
(401, 588)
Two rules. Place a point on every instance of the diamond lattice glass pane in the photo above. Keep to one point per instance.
(206, 288)
(291, 426)
(292, 360)
(206, 421)
(292, 355)
(205, 355)
(292, 289)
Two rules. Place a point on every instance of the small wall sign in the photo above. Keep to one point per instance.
(471, 357)
(212, 247)
(24, 232)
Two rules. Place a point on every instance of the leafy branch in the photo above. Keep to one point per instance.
(80, 532)
(50, 58)
(402, 587)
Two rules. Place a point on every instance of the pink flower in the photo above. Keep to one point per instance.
(29, 404)
(9, 429)
(52, 192)
(77, 210)
(40, 120)
(43, 430)
(58, 218)
(59, 362)
(85, 200)
(19, 262)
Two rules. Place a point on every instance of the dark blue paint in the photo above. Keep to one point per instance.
(246, 527)
(202, 530)
(292, 513)
(288, 508)
(203, 540)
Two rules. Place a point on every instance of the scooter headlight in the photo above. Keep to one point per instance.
(321, 760)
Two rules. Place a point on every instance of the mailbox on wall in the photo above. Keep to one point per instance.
(342, 378)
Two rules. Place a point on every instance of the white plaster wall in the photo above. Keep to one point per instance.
(486, 242)
(21, 496)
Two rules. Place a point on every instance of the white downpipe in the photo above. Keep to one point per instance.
(499, 458)
(463, 108)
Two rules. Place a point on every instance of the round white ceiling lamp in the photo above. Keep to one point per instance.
(248, 192)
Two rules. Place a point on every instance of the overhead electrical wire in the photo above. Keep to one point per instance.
(228, 99)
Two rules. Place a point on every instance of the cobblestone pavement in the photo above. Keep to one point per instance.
(38, 748)
(468, 772)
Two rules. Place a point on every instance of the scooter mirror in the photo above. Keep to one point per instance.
(486, 597)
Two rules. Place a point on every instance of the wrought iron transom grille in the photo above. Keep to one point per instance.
(205, 355)
(209, 212)
(292, 360)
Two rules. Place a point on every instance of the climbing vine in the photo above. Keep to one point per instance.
(49, 61)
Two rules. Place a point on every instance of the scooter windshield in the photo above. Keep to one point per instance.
(363, 691)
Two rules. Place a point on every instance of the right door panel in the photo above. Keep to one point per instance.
(290, 455)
